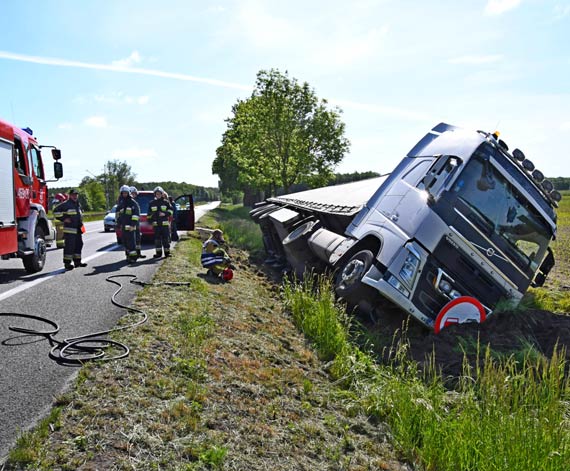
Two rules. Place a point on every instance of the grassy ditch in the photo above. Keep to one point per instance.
(219, 378)
(504, 416)
(555, 296)
(222, 377)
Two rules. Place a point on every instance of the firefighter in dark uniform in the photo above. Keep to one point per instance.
(69, 212)
(134, 194)
(159, 213)
(129, 213)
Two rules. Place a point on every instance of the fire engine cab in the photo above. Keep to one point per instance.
(25, 230)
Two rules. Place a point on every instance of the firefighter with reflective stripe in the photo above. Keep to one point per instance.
(128, 218)
(159, 213)
(214, 257)
(134, 194)
(69, 212)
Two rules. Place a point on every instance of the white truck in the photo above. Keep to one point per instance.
(458, 226)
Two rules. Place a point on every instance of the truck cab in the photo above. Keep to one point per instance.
(25, 229)
(458, 226)
(460, 217)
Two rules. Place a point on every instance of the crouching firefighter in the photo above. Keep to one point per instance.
(69, 212)
(215, 258)
(129, 213)
(159, 212)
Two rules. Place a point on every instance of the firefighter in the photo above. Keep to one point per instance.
(134, 194)
(160, 212)
(69, 212)
(215, 258)
(129, 213)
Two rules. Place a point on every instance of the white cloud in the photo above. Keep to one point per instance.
(120, 97)
(498, 7)
(134, 58)
(561, 11)
(96, 122)
(476, 60)
(341, 45)
(116, 68)
(347, 49)
(135, 153)
(380, 109)
(65, 126)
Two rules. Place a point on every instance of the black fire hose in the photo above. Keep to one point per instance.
(76, 351)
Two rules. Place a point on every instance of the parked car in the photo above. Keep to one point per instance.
(184, 216)
(109, 220)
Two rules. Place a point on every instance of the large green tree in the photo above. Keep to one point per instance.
(280, 136)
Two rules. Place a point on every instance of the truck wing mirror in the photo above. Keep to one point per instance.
(544, 269)
(57, 169)
(486, 182)
(56, 154)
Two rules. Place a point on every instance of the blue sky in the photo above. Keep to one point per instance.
(152, 82)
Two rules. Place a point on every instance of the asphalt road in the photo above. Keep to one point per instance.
(78, 300)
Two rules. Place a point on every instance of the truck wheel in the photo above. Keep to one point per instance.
(348, 284)
(35, 262)
(297, 239)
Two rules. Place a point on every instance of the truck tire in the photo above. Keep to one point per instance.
(300, 234)
(35, 262)
(348, 280)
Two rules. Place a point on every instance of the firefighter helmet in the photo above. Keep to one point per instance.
(125, 188)
(73, 191)
(227, 274)
(158, 189)
(134, 190)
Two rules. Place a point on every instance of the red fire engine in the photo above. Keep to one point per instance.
(25, 229)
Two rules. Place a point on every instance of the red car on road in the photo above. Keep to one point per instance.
(184, 215)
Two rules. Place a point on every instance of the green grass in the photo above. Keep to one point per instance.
(508, 415)
(239, 230)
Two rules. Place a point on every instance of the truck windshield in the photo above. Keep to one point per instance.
(502, 213)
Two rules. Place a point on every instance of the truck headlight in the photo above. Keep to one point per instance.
(409, 269)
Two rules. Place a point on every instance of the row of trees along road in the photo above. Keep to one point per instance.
(100, 192)
(281, 136)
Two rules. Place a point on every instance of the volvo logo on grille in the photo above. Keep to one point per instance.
(490, 252)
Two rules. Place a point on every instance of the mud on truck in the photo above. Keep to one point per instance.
(459, 225)
(25, 229)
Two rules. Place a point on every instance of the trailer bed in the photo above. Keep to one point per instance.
(346, 199)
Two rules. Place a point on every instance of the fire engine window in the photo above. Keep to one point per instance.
(36, 162)
(19, 157)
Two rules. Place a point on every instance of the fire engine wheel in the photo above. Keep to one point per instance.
(35, 262)
(348, 284)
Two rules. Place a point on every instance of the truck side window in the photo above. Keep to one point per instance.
(19, 157)
(36, 162)
(439, 174)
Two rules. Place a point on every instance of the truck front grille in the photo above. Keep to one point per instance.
(470, 280)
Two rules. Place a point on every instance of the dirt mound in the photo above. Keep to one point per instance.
(507, 333)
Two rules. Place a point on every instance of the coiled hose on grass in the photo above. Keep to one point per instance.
(76, 351)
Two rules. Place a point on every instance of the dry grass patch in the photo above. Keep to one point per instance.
(219, 378)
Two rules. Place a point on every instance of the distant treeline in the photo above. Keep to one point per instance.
(175, 189)
(340, 178)
(200, 193)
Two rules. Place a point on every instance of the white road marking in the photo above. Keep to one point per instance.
(49, 275)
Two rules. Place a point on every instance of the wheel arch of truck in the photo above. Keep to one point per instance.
(372, 242)
(36, 218)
